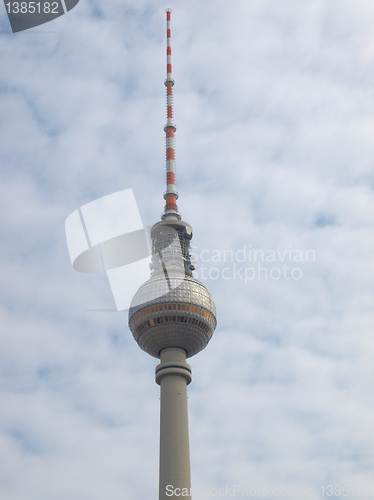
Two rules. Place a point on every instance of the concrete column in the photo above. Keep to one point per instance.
(173, 375)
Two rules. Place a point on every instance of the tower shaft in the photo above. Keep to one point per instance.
(173, 375)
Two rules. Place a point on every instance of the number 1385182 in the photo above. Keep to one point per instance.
(32, 7)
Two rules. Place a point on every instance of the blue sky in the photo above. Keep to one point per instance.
(274, 152)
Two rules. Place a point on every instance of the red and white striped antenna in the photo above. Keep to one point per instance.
(171, 195)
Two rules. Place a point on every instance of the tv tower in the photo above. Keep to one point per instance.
(172, 317)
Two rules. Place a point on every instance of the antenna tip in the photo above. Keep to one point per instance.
(168, 10)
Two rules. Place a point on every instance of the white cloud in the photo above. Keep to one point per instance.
(273, 107)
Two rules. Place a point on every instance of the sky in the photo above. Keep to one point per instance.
(274, 107)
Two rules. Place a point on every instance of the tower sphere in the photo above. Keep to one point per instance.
(184, 317)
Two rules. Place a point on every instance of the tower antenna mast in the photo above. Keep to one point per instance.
(171, 195)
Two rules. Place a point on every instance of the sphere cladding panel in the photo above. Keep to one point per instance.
(187, 329)
(185, 289)
(188, 337)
